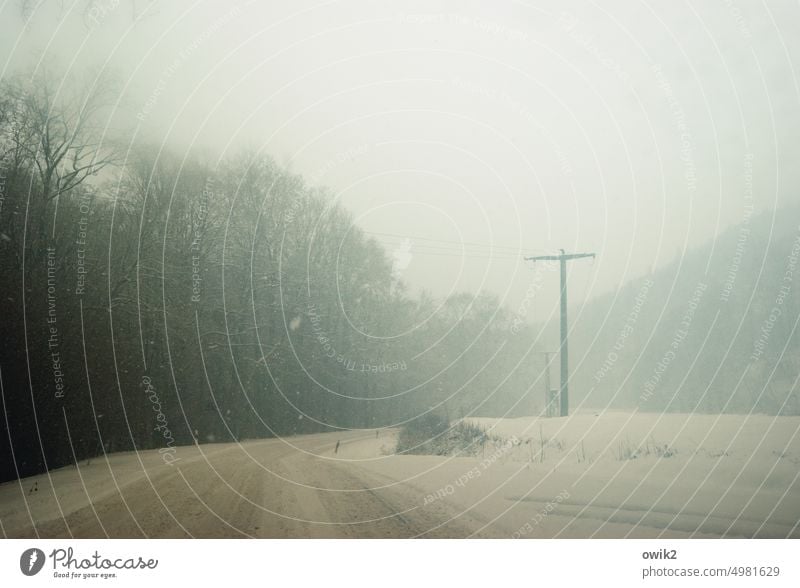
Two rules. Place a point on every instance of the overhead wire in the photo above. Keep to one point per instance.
(450, 241)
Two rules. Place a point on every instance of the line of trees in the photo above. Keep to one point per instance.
(153, 299)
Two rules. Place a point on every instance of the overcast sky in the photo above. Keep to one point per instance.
(478, 131)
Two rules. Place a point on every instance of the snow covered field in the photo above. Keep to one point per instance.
(701, 474)
(611, 475)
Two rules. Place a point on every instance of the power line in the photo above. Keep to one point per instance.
(467, 255)
(452, 252)
(508, 248)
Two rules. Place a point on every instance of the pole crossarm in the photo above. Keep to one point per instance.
(564, 256)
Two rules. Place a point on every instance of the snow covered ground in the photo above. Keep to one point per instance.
(700, 474)
(610, 475)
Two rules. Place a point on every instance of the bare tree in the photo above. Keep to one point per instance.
(59, 127)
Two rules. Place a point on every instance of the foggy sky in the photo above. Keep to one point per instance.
(633, 130)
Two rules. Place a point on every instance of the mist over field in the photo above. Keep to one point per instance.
(346, 269)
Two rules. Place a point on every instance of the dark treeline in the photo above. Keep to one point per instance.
(714, 331)
(151, 300)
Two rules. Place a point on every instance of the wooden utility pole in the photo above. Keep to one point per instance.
(563, 349)
(548, 398)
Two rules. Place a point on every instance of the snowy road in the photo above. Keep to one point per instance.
(273, 488)
(298, 487)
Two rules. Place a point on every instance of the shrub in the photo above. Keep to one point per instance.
(431, 434)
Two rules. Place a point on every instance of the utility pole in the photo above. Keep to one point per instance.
(548, 398)
(563, 259)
